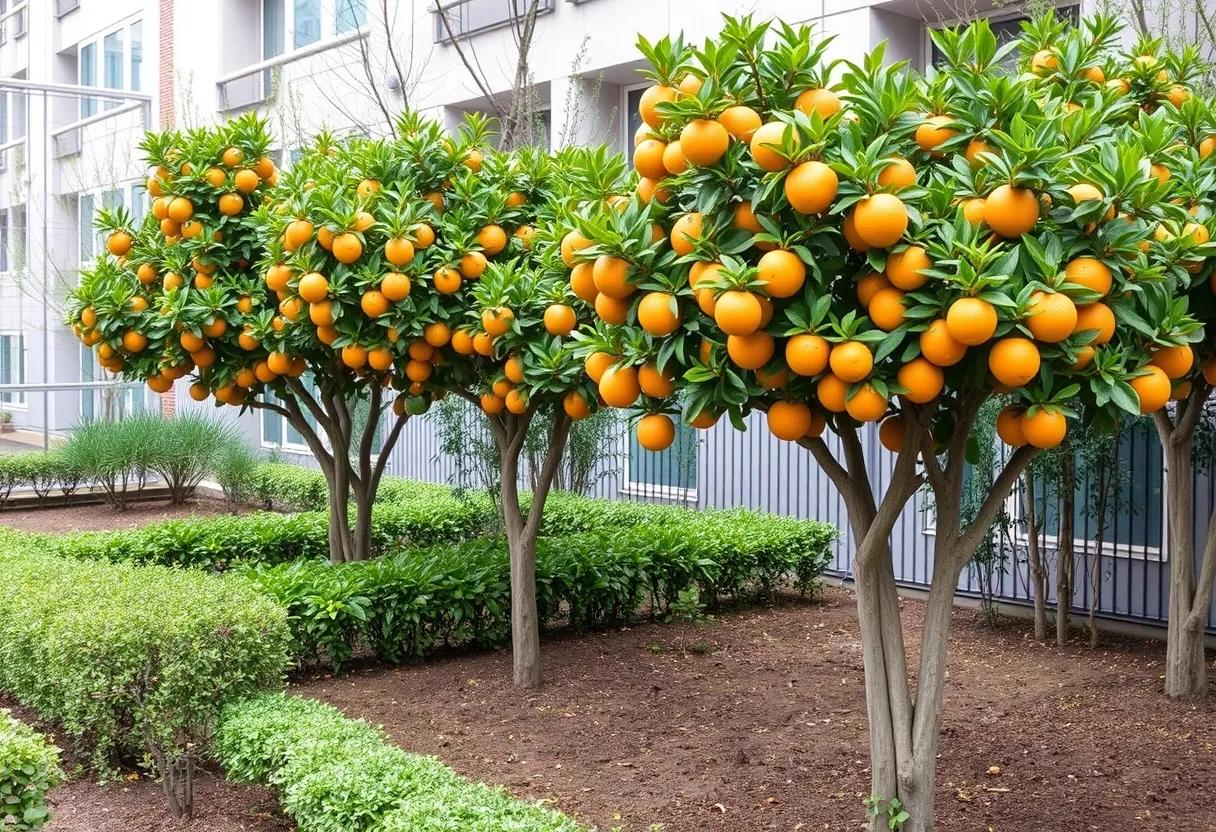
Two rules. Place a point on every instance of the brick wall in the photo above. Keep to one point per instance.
(165, 70)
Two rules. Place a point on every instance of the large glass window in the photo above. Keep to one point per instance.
(87, 60)
(277, 431)
(306, 27)
(12, 366)
(274, 24)
(351, 14)
(137, 55)
(4, 258)
(84, 214)
(633, 120)
(113, 52)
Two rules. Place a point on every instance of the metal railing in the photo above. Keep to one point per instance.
(62, 7)
(259, 86)
(469, 17)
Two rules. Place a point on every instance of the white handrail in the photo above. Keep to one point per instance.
(289, 57)
(13, 12)
(73, 90)
(61, 386)
(96, 117)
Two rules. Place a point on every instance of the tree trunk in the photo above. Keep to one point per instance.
(1034, 556)
(1185, 666)
(1064, 546)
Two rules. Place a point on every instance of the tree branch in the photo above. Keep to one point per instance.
(970, 537)
(464, 59)
(553, 458)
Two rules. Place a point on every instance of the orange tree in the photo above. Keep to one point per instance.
(372, 274)
(893, 250)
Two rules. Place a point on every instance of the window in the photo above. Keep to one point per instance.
(274, 24)
(132, 197)
(84, 214)
(88, 77)
(12, 366)
(671, 473)
(632, 121)
(120, 52)
(468, 17)
(110, 403)
(278, 432)
(351, 14)
(1134, 522)
(306, 22)
(137, 54)
(3, 241)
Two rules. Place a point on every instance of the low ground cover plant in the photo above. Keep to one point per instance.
(133, 663)
(29, 768)
(334, 774)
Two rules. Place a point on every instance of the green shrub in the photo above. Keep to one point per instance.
(334, 774)
(133, 663)
(235, 471)
(29, 768)
(183, 450)
(267, 537)
(418, 600)
(42, 471)
(283, 485)
(112, 455)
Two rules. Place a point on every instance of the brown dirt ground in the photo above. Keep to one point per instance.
(756, 721)
(100, 517)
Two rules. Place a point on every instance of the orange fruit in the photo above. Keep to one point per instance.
(738, 312)
(811, 187)
(851, 361)
(973, 210)
(246, 181)
(313, 287)
(750, 352)
(347, 248)
(1096, 316)
(766, 157)
(327, 335)
(496, 320)
(973, 150)
(492, 239)
(611, 310)
(685, 233)
(782, 273)
(1014, 361)
(891, 433)
(647, 190)
(904, 268)
(582, 281)
(656, 432)
(971, 321)
(1044, 62)
(380, 358)
(871, 285)
(472, 265)
(1009, 426)
(1052, 317)
(559, 319)
(939, 346)
(704, 420)
(513, 369)
(134, 341)
(658, 313)
(651, 98)
(1175, 361)
(650, 158)
(395, 286)
(199, 391)
(191, 342)
(807, 354)
(1085, 356)
(354, 356)
(597, 363)
(1011, 212)
(704, 141)
(897, 174)
(822, 101)
(321, 313)
(831, 392)
(887, 309)
(653, 383)
(230, 204)
(880, 220)
(745, 219)
(618, 386)
(774, 379)
(741, 122)
(1153, 388)
(374, 303)
(922, 379)
(866, 404)
(575, 405)
(573, 243)
(180, 209)
(610, 275)
(492, 404)
(297, 233)
(932, 133)
(1044, 428)
(849, 229)
(1090, 273)
(789, 420)
(424, 235)
(399, 251)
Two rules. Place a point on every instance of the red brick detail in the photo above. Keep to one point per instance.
(168, 402)
(165, 68)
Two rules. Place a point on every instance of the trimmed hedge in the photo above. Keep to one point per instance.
(284, 485)
(416, 601)
(132, 663)
(39, 470)
(267, 537)
(334, 774)
(29, 768)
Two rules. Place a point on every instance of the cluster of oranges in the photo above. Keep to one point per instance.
(831, 253)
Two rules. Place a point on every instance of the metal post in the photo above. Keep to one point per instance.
(46, 249)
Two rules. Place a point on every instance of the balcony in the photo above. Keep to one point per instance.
(13, 23)
(469, 17)
(252, 85)
(62, 7)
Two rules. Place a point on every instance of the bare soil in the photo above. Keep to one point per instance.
(756, 721)
(101, 517)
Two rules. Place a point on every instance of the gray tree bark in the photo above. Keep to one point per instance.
(1034, 557)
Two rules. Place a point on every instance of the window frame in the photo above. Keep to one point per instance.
(996, 15)
(97, 42)
(21, 401)
(637, 488)
(127, 190)
(328, 10)
(627, 113)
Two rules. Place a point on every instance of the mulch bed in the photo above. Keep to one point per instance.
(756, 721)
(100, 517)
